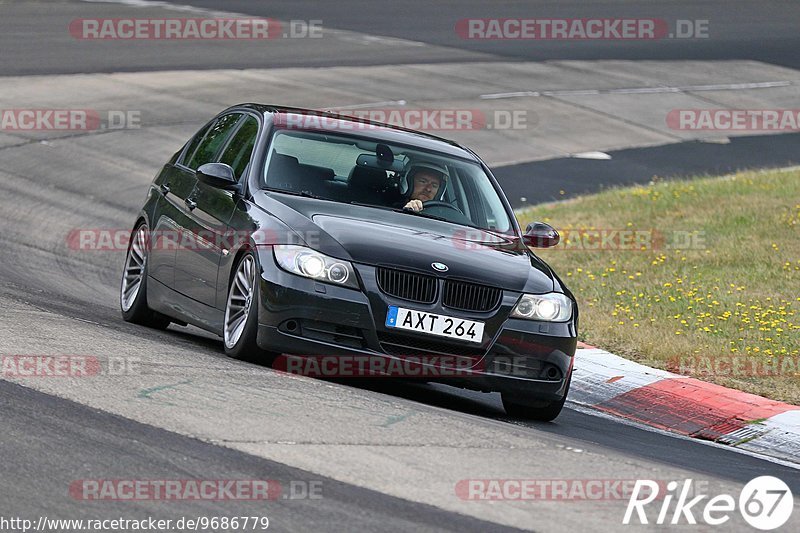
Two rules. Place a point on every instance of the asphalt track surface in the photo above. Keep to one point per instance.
(561, 178)
(49, 442)
(35, 42)
(738, 29)
(390, 449)
(69, 441)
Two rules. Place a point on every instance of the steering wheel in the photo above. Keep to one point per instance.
(439, 203)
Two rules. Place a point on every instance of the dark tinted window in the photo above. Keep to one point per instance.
(190, 150)
(214, 139)
(240, 149)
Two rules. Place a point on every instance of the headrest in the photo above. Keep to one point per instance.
(362, 177)
(284, 161)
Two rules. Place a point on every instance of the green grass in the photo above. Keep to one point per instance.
(712, 289)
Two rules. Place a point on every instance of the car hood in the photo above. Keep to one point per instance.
(404, 241)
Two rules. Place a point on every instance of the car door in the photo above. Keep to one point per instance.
(221, 204)
(197, 256)
(176, 182)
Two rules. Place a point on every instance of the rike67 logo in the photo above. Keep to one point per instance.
(765, 503)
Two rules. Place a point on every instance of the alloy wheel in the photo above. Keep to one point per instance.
(134, 268)
(240, 300)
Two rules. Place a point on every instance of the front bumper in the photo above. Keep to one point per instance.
(522, 358)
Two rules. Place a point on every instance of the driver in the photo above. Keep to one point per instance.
(426, 182)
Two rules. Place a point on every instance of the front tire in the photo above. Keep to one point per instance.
(133, 288)
(240, 326)
(538, 410)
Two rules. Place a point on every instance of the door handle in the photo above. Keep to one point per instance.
(190, 203)
(165, 188)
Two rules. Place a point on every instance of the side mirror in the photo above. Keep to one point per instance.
(218, 175)
(540, 235)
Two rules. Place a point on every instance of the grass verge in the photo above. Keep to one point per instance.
(700, 276)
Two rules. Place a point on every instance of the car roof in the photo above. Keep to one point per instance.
(385, 132)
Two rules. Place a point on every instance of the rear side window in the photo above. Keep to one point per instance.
(240, 149)
(213, 140)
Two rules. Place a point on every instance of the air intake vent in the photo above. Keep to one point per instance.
(407, 286)
(408, 345)
(470, 297)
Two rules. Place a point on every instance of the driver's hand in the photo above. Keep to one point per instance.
(414, 205)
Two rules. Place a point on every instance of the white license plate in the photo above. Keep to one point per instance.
(433, 324)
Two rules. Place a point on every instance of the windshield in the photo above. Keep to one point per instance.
(361, 171)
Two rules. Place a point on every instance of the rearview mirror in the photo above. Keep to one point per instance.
(540, 235)
(372, 161)
(218, 175)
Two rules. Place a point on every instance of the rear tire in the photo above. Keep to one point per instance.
(133, 287)
(539, 410)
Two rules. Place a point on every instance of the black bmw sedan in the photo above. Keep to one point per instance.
(367, 249)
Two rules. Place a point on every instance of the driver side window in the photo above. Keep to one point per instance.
(213, 140)
(239, 151)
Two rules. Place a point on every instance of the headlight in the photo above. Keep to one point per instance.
(551, 307)
(312, 264)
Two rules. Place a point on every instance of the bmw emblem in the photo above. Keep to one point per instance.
(440, 267)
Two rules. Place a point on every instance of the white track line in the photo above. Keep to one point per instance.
(368, 105)
(643, 90)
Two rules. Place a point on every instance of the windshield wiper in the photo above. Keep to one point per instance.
(304, 194)
(426, 215)
(378, 206)
(404, 210)
(432, 217)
